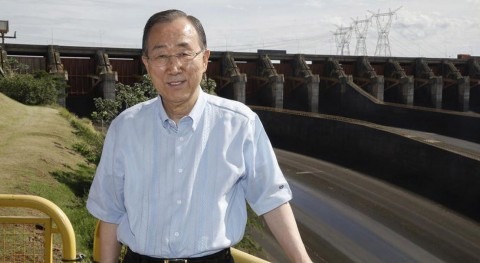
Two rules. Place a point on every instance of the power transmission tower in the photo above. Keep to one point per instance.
(342, 39)
(384, 22)
(361, 30)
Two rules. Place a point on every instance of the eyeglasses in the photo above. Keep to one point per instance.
(184, 58)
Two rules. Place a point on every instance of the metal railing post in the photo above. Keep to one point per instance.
(54, 212)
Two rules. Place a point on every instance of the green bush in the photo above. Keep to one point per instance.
(128, 96)
(125, 96)
(91, 143)
(13, 67)
(39, 89)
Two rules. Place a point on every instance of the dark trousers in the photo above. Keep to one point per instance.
(223, 256)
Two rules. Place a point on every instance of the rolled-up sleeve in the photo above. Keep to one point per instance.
(264, 184)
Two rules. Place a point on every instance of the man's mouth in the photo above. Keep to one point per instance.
(175, 83)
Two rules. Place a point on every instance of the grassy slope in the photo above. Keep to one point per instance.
(36, 157)
(34, 141)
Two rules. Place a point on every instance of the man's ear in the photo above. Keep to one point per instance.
(206, 56)
(145, 63)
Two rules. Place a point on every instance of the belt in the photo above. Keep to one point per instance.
(223, 256)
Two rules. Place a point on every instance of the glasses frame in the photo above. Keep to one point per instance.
(179, 57)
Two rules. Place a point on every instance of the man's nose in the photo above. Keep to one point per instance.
(174, 63)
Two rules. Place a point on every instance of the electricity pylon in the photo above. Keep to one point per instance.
(361, 30)
(342, 39)
(384, 22)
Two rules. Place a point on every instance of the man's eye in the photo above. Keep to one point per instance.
(161, 57)
(185, 55)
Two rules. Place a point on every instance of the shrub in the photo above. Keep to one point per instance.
(13, 67)
(39, 89)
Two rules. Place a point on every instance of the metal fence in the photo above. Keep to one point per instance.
(30, 237)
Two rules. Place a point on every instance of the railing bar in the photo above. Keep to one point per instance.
(54, 213)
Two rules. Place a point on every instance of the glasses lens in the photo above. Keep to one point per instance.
(184, 58)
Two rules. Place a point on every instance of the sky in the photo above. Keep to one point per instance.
(420, 28)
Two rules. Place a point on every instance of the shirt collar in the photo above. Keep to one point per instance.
(198, 109)
(195, 114)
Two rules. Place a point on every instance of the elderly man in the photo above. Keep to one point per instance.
(176, 171)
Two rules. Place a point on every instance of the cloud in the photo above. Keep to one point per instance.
(303, 26)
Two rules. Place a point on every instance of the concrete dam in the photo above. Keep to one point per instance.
(365, 113)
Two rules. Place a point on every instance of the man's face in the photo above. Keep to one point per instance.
(177, 82)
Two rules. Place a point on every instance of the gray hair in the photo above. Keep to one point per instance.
(168, 16)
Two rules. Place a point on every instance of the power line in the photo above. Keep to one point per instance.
(361, 30)
(342, 40)
(384, 22)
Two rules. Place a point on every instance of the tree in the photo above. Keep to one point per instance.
(39, 88)
(12, 67)
(208, 85)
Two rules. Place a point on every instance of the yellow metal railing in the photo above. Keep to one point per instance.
(242, 257)
(20, 235)
(25, 241)
(238, 255)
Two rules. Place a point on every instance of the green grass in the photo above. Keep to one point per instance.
(37, 158)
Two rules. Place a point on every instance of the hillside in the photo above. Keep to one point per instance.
(34, 142)
(37, 158)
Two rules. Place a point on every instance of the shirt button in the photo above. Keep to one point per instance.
(176, 234)
(179, 202)
(181, 139)
(180, 170)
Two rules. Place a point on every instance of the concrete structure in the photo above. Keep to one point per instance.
(232, 84)
(417, 93)
(440, 171)
(400, 85)
(372, 83)
(3, 57)
(306, 84)
(430, 86)
(55, 67)
(276, 79)
(270, 88)
(473, 70)
(105, 77)
(293, 93)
